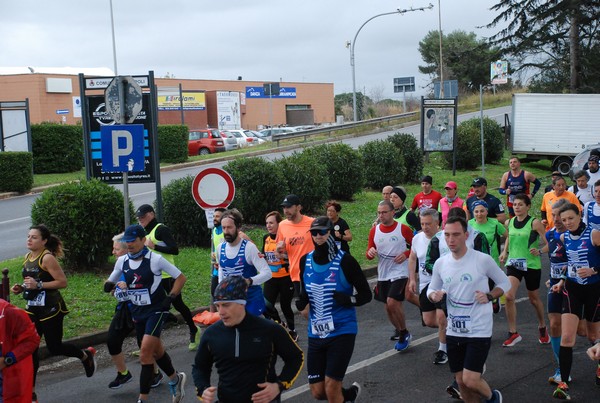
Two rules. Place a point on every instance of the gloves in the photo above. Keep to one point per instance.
(342, 299)
(108, 286)
(300, 304)
(166, 304)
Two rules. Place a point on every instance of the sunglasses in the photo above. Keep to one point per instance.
(315, 232)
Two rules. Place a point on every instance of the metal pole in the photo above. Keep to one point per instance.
(122, 120)
(112, 26)
(441, 56)
(481, 126)
(181, 104)
(404, 99)
(398, 11)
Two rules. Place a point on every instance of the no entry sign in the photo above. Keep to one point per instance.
(213, 188)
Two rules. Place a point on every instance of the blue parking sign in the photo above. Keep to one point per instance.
(122, 148)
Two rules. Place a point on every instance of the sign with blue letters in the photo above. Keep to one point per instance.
(259, 92)
(122, 148)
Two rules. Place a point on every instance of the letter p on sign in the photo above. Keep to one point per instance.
(122, 148)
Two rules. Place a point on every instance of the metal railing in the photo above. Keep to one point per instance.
(330, 130)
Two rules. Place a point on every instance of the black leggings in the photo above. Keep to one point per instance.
(118, 332)
(52, 330)
(282, 287)
(180, 306)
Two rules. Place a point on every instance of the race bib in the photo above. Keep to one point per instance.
(270, 257)
(556, 269)
(573, 270)
(339, 244)
(139, 297)
(322, 327)
(39, 300)
(121, 295)
(460, 324)
(519, 264)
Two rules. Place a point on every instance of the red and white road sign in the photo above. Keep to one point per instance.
(213, 188)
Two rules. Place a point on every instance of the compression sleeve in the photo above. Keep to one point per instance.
(536, 186)
(163, 233)
(356, 277)
(502, 191)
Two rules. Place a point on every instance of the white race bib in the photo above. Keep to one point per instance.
(573, 270)
(139, 297)
(322, 327)
(556, 269)
(518, 263)
(40, 300)
(121, 295)
(460, 324)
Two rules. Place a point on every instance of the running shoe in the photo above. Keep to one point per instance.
(404, 342)
(177, 389)
(293, 335)
(357, 388)
(513, 338)
(157, 380)
(556, 378)
(562, 392)
(140, 401)
(396, 335)
(453, 391)
(194, 341)
(440, 357)
(496, 397)
(89, 362)
(496, 305)
(120, 380)
(544, 338)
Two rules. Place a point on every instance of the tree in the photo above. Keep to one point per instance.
(465, 58)
(558, 39)
(362, 103)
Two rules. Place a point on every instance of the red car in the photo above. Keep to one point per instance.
(205, 141)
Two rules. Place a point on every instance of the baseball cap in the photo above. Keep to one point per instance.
(321, 222)
(143, 210)
(133, 232)
(290, 200)
(451, 185)
(479, 182)
(231, 289)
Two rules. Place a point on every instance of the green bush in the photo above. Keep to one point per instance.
(85, 215)
(413, 155)
(306, 177)
(493, 138)
(182, 215)
(16, 171)
(56, 148)
(344, 169)
(468, 147)
(384, 164)
(172, 143)
(258, 187)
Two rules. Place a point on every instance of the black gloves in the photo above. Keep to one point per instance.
(301, 304)
(108, 286)
(342, 299)
(166, 304)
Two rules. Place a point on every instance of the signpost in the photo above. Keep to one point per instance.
(404, 84)
(213, 188)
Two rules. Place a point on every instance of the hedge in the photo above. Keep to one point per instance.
(172, 143)
(56, 148)
(16, 171)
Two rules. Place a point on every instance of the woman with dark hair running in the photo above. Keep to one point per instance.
(42, 279)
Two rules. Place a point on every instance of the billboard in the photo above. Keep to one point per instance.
(228, 110)
(438, 122)
(499, 72)
(169, 100)
(259, 92)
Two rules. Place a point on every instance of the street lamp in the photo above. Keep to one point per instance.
(114, 46)
(353, 43)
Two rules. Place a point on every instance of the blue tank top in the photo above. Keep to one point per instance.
(581, 253)
(593, 220)
(516, 184)
(557, 254)
(144, 288)
(327, 317)
(238, 266)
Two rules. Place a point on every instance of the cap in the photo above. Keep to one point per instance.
(143, 210)
(290, 200)
(231, 289)
(321, 222)
(480, 203)
(133, 232)
(427, 179)
(451, 185)
(479, 182)
(593, 157)
(400, 192)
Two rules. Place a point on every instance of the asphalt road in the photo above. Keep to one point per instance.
(520, 372)
(15, 212)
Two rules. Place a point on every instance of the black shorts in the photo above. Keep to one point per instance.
(390, 289)
(151, 325)
(582, 300)
(427, 306)
(467, 353)
(329, 357)
(555, 299)
(532, 277)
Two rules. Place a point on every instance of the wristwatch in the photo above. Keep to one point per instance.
(8, 361)
(489, 296)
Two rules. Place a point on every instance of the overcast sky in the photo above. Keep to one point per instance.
(262, 40)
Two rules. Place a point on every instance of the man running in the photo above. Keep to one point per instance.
(427, 198)
(401, 213)
(470, 317)
(495, 207)
(516, 181)
(591, 210)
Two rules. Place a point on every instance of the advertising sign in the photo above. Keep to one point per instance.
(171, 101)
(438, 121)
(228, 110)
(259, 92)
(499, 72)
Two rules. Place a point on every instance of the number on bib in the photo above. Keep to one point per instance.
(519, 264)
(461, 324)
(139, 297)
(39, 300)
(322, 327)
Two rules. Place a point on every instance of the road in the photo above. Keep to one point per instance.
(15, 212)
(520, 372)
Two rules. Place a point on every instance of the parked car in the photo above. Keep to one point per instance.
(257, 137)
(242, 139)
(205, 141)
(277, 131)
(261, 135)
(580, 161)
(230, 140)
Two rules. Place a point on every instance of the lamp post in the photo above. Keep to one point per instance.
(114, 46)
(353, 43)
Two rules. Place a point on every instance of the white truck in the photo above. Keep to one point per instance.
(554, 126)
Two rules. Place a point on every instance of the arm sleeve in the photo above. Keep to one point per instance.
(303, 296)
(264, 272)
(290, 353)
(164, 234)
(408, 236)
(536, 186)
(413, 220)
(356, 277)
(164, 265)
(117, 271)
(371, 242)
(202, 367)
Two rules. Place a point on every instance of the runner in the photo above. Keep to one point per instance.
(521, 254)
(402, 214)
(142, 270)
(341, 229)
(559, 192)
(580, 288)
(583, 189)
(495, 207)
(42, 279)
(470, 318)
(427, 198)
(451, 200)
(516, 181)
(329, 277)
(591, 210)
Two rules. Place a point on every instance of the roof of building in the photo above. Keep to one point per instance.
(88, 71)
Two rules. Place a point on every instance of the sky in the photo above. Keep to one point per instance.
(260, 40)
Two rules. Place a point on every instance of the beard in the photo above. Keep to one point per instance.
(230, 237)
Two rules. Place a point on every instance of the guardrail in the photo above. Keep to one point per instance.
(329, 130)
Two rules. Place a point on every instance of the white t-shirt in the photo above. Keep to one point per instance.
(252, 257)
(419, 246)
(460, 279)
(584, 195)
(593, 177)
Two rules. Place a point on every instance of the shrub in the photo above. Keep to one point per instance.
(172, 143)
(259, 187)
(384, 164)
(306, 177)
(412, 153)
(182, 215)
(85, 215)
(468, 147)
(344, 169)
(16, 171)
(493, 138)
(56, 148)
